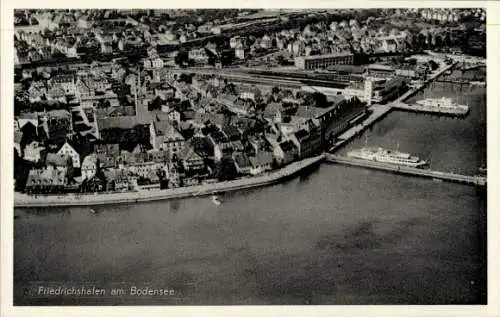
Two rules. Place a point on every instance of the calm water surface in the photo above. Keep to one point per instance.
(337, 235)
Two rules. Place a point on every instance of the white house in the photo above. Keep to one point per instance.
(234, 41)
(174, 116)
(239, 52)
(89, 166)
(216, 30)
(32, 151)
(261, 163)
(247, 95)
(66, 150)
(17, 142)
(153, 63)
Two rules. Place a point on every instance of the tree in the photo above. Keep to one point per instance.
(280, 59)
(275, 90)
(21, 171)
(181, 58)
(225, 169)
(188, 79)
(319, 99)
(433, 65)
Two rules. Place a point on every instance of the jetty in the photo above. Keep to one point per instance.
(378, 111)
(445, 176)
(432, 110)
(456, 81)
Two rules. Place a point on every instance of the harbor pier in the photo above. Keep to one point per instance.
(377, 112)
(445, 176)
(380, 111)
(423, 109)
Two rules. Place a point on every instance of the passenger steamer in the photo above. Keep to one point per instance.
(443, 105)
(387, 156)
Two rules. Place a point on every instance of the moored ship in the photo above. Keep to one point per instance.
(444, 105)
(387, 156)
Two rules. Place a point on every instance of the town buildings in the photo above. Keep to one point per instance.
(139, 121)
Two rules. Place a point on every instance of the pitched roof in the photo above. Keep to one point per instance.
(237, 145)
(122, 122)
(311, 112)
(301, 134)
(214, 118)
(288, 145)
(60, 113)
(48, 177)
(82, 148)
(18, 135)
(116, 175)
(166, 129)
(90, 160)
(186, 125)
(29, 115)
(202, 146)
(353, 69)
(63, 78)
(106, 160)
(56, 91)
(262, 158)
(158, 156)
(219, 137)
(272, 108)
(188, 152)
(380, 67)
(57, 160)
(110, 149)
(242, 160)
(188, 114)
(232, 132)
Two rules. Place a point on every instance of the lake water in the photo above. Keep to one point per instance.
(337, 235)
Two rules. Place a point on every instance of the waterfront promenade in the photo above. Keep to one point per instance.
(452, 177)
(377, 112)
(69, 200)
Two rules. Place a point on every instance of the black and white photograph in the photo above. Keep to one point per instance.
(232, 156)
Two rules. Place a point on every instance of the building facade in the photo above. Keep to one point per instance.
(324, 61)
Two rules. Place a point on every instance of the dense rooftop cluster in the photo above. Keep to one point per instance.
(117, 128)
(235, 36)
(101, 106)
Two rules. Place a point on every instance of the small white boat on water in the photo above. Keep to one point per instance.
(478, 83)
(216, 200)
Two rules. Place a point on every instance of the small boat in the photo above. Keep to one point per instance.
(478, 83)
(216, 200)
(92, 211)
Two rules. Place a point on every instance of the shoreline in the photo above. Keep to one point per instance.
(71, 200)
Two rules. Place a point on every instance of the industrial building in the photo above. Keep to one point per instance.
(324, 61)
